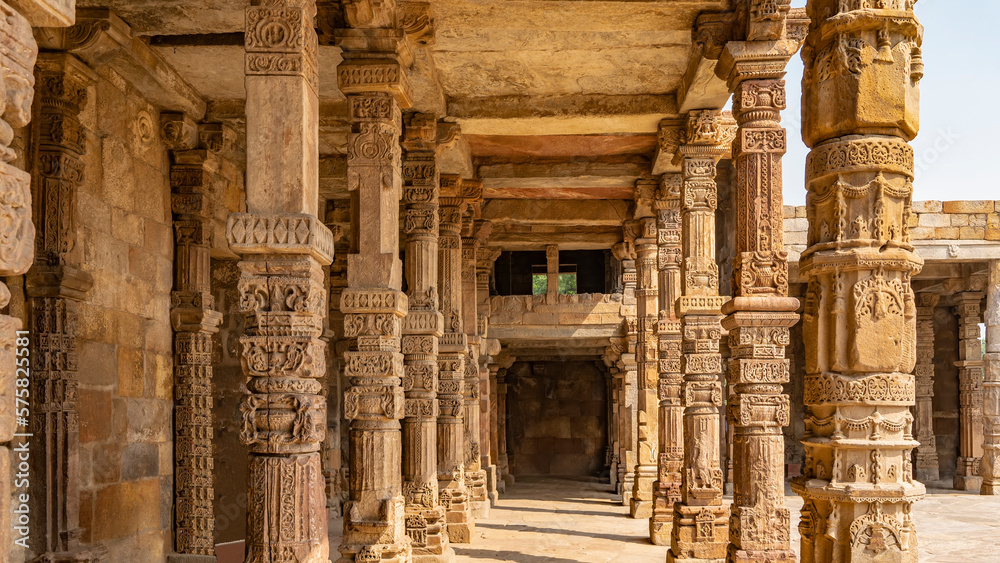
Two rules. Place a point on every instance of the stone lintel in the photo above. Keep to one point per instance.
(100, 37)
(574, 114)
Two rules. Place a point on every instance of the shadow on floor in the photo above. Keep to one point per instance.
(563, 531)
(492, 555)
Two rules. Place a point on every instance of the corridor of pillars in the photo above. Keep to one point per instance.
(426, 451)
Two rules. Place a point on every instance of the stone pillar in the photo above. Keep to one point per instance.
(626, 253)
(616, 399)
(647, 404)
(552, 273)
(989, 469)
(373, 77)
(17, 247)
(859, 104)
(283, 246)
(700, 519)
(475, 476)
(194, 320)
(503, 463)
(485, 257)
(926, 468)
(760, 314)
(970, 384)
(491, 412)
(338, 220)
(422, 327)
(667, 489)
(452, 348)
(55, 286)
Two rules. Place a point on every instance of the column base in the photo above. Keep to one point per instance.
(491, 484)
(990, 488)
(383, 553)
(641, 508)
(700, 533)
(671, 558)
(760, 556)
(461, 532)
(627, 485)
(968, 482)
(448, 556)
(660, 531)
(509, 479)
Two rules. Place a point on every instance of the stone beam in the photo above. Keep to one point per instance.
(101, 37)
(592, 213)
(539, 239)
(700, 88)
(591, 174)
(562, 115)
(553, 332)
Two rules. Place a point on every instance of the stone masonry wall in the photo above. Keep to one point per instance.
(126, 349)
(557, 418)
(930, 220)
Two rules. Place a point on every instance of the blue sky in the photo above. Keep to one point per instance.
(959, 118)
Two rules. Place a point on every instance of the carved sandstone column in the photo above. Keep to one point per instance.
(17, 237)
(422, 327)
(926, 468)
(338, 220)
(373, 77)
(475, 476)
(667, 489)
(485, 257)
(989, 468)
(760, 314)
(452, 348)
(283, 246)
(647, 404)
(503, 463)
(859, 318)
(194, 321)
(55, 286)
(700, 519)
(970, 384)
(626, 253)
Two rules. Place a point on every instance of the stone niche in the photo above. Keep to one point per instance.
(557, 418)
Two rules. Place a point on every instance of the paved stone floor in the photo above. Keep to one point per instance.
(580, 520)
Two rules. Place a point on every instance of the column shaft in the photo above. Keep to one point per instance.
(453, 348)
(475, 476)
(667, 489)
(647, 405)
(503, 463)
(970, 385)
(422, 327)
(926, 467)
(859, 102)
(700, 519)
(55, 286)
(760, 314)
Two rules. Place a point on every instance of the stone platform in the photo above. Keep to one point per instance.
(552, 520)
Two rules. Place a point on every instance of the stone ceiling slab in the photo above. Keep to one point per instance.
(176, 17)
(519, 147)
